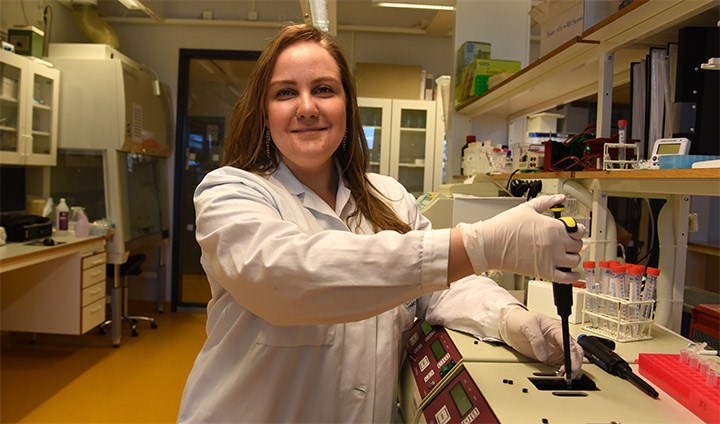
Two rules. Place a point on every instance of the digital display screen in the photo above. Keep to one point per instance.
(437, 349)
(460, 399)
(426, 327)
(668, 149)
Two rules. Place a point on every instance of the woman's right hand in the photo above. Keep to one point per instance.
(524, 241)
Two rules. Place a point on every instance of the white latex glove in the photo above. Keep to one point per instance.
(538, 336)
(523, 241)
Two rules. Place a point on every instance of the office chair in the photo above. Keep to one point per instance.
(133, 266)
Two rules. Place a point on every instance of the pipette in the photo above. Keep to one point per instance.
(562, 297)
(599, 354)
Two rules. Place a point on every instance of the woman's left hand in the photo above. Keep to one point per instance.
(538, 336)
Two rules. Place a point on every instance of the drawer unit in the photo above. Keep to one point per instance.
(92, 294)
(93, 314)
(61, 289)
(93, 275)
(93, 289)
(94, 259)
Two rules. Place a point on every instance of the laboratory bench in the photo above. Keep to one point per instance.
(450, 376)
(58, 288)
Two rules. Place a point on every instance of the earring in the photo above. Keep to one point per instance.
(344, 141)
(268, 139)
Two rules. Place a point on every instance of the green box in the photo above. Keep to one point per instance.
(28, 40)
(485, 68)
(469, 51)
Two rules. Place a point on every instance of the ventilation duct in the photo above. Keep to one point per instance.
(95, 27)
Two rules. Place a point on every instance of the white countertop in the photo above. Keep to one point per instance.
(15, 255)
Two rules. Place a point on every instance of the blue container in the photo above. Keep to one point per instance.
(683, 161)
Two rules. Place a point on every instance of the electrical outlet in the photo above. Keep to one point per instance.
(252, 15)
(693, 222)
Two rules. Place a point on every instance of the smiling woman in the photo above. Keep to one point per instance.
(306, 116)
(317, 266)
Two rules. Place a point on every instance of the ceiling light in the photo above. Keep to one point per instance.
(418, 4)
(139, 5)
(132, 4)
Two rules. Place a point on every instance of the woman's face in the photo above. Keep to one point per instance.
(306, 107)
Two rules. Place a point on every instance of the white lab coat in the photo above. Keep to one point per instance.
(307, 315)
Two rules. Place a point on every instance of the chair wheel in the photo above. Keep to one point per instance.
(153, 325)
(135, 332)
(101, 331)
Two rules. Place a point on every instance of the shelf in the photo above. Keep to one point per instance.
(9, 129)
(657, 182)
(706, 248)
(572, 71)
(7, 99)
(41, 106)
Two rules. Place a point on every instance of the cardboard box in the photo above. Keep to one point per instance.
(561, 20)
(28, 40)
(540, 299)
(468, 52)
(474, 80)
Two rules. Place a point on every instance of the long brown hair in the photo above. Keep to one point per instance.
(245, 147)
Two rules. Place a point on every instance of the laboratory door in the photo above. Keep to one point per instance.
(209, 84)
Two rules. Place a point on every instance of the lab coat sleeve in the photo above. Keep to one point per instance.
(253, 247)
(471, 305)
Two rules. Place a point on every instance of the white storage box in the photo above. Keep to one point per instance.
(561, 20)
(540, 299)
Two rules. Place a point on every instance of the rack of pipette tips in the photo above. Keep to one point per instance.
(689, 378)
(618, 304)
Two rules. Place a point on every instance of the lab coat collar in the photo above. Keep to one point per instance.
(308, 197)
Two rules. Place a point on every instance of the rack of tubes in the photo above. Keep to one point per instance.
(619, 319)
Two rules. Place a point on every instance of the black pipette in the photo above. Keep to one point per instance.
(562, 297)
(599, 354)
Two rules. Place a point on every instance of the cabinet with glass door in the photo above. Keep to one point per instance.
(28, 111)
(402, 138)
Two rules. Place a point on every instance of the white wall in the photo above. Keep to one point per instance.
(506, 26)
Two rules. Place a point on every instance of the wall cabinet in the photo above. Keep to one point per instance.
(28, 111)
(406, 138)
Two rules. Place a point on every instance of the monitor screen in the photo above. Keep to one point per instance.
(668, 148)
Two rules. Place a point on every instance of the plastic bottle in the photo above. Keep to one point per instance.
(592, 286)
(604, 277)
(82, 224)
(63, 215)
(648, 292)
(622, 139)
(468, 139)
(634, 285)
(622, 131)
(590, 283)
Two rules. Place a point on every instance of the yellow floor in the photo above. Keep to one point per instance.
(83, 379)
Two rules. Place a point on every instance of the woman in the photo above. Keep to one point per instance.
(317, 268)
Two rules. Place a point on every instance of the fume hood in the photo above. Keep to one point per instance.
(116, 109)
